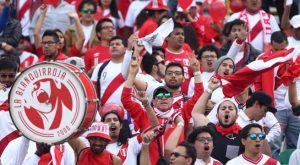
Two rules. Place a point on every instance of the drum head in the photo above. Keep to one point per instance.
(47, 103)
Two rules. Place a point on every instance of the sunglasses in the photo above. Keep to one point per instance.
(254, 136)
(176, 155)
(204, 139)
(8, 75)
(161, 95)
(87, 10)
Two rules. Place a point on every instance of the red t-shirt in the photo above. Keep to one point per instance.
(95, 56)
(42, 57)
(87, 157)
(148, 27)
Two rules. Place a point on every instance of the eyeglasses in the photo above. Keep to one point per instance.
(254, 136)
(88, 10)
(107, 27)
(50, 43)
(161, 95)
(161, 62)
(204, 139)
(175, 73)
(7, 75)
(176, 155)
(209, 56)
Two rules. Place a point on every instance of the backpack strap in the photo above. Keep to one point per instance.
(99, 77)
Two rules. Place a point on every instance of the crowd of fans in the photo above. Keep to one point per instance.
(169, 106)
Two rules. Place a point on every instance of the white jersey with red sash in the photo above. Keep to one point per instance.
(262, 160)
(27, 59)
(181, 58)
(261, 25)
(212, 162)
(8, 131)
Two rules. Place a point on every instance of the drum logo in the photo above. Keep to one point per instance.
(45, 102)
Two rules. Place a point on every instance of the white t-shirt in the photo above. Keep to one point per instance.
(205, 76)
(244, 161)
(87, 30)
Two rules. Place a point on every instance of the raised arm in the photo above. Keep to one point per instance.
(285, 19)
(80, 39)
(147, 138)
(238, 43)
(38, 26)
(199, 108)
(77, 145)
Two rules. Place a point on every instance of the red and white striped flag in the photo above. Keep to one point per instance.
(237, 82)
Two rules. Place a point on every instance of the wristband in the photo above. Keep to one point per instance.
(198, 73)
(145, 144)
(180, 124)
(208, 91)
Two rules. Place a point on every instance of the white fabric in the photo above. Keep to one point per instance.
(205, 76)
(21, 151)
(152, 84)
(134, 148)
(211, 162)
(280, 94)
(24, 58)
(25, 20)
(119, 23)
(242, 161)
(295, 158)
(113, 148)
(133, 11)
(258, 42)
(87, 30)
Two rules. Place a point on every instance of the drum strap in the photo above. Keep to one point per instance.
(115, 84)
(99, 77)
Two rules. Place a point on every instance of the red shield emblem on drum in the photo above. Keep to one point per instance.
(48, 102)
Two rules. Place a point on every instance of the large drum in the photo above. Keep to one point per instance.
(52, 102)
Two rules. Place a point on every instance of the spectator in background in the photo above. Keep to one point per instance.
(252, 138)
(86, 10)
(55, 18)
(99, 53)
(110, 10)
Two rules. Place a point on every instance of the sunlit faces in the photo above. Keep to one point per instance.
(114, 125)
(107, 31)
(7, 77)
(208, 60)
(179, 157)
(203, 144)
(87, 13)
(116, 48)
(97, 144)
(50, 46)
(174, 77)
(176, 38)
(253, 145)
(227, 113)
(163, 101)
(226, 67)
(253, 6)
(278, 46)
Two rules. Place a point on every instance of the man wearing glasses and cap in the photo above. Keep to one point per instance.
(252, 138)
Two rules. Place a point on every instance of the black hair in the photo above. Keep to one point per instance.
(177, 25)
(218, 108)
(113, 8)
(261, 100)
(52, 33)
(118, 38)
(125, 132)
(278, 37)
(89, 2)
(100, 22)
(8, 63)
(245, 131)
(208, 47)
(193, 135)
(163, 17)
(147, 63)
(190, 150)
(155, 49)
(175, 64)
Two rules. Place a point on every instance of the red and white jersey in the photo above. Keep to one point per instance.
(129, 151)
(24, 15)
(8, 130)
(27, 59)
(107, 80)
(181, 58)
(263, 160)
(257, 39)
(205, 76)
(119, 23)
(96, 55)
(212, 162)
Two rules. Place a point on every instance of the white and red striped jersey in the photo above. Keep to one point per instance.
(212, 162)
(263, 160)
(27, 59)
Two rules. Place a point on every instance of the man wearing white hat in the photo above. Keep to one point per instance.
(295, 38)
(98, 137)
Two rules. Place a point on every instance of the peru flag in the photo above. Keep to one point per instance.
(237, 82)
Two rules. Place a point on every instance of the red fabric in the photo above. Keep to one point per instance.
(87, 157)
(256, 30)
(182, 59)
(234, 129)
(291, 73)
(60, 56)
(96, 55)
(148, 27)
(4, 141)
(271, 161)
(45, 159)
(123, 6)
(4, 106)
(246, 76)
(114, 85)
(141, 120)
(73, 51)
(24, 9)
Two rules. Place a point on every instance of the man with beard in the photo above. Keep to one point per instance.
(227, 138)
(252, 138)
(162, 105)
(98, 137)
(203, 140)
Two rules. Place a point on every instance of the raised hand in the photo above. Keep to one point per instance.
(142, 97)
(194, 63)
(132, 41)
(43, 9)
(243, 33)
(213, 83)
(2, 87)
(73, 15)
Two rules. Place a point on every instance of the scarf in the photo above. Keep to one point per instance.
(264, 24)
(54, 157)
(233, 129)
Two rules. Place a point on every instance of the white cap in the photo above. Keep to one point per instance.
(77, 61)
(295, 21)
